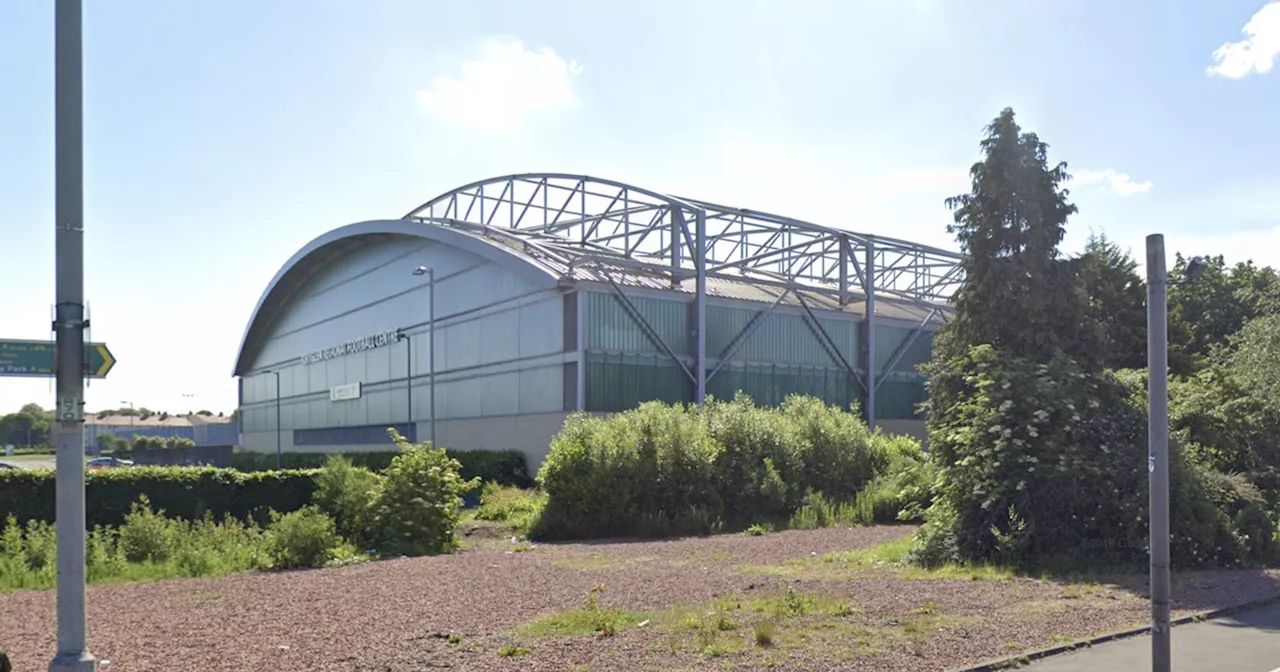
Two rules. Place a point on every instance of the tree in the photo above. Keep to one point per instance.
(1018, 295)
(1032, 435)
(1209, 311)
(1256, 357)
(1117, 301)
(28, 427)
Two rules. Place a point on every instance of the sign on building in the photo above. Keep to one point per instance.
(350, 347)
(345, 392)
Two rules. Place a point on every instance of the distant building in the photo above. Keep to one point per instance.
(205, 430)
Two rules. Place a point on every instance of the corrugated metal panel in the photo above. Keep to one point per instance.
(783, 338)
(769, 384)
(609, 324)
(897, 397)
(888, 340)
(618, 382)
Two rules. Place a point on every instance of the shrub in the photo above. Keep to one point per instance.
(147, 546)
(760, 469)
(304, 538)
(416, 511)
(186, 493)
(650, 471)
(147, 535)
(835, 446)
(1039, 463)
(660, 470)
(505, 467)
(348, 494)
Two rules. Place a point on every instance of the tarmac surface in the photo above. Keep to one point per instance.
(1244, 642)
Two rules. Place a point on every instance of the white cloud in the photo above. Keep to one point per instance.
(1120, 183)
(503, 88)
(1257, 52)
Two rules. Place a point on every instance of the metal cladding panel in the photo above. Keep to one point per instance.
(611, 327)
(898, 395)
(889, 339)
(541, 390)
(769, 385)
(617, 382)
(784, 338)
(500, 394)
(374, 298)
(541, 328)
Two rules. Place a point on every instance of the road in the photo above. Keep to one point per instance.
(29, 461)
(1245, 642)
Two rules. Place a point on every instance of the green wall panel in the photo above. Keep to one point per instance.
(889, 338)
(609, 324)
(769, 384)
(783, 338)
(898, 395)
(620, 382)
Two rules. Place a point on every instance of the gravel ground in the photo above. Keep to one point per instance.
(398, 615)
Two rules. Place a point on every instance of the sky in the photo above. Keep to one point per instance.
(220, 137)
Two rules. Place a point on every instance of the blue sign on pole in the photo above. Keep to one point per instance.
(37, 359)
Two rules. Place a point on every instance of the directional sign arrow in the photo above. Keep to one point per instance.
(38, 359)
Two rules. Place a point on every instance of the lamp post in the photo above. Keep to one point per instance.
(431, 341)
(279, 448)
(72, 653)
(1158, 438)
(408, 379)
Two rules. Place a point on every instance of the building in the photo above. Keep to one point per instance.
(558, 293)
(203, 430)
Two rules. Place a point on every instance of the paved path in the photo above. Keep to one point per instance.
(1245, 642)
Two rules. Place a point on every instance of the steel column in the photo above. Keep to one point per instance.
(869, 286)
(700, 299)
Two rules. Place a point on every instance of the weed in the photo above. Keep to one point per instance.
(514, 651)
(516, 507)
(454, 639)
(756, 530)
(763, 633)
(591, 618)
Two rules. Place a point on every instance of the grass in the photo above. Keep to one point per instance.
(515, 508)
(150, 546)
(890, 557)
(755, 624)
(591, 618)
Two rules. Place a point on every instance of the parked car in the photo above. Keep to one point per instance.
(107, 462)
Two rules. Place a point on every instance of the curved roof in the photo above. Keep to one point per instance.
(294, 275)
(557, 226)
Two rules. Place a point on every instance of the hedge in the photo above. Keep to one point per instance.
(505, 467)
(183, 492)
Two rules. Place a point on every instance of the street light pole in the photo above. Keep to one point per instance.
(408, 379)
(69, 326)
(431, 339)
(279, 448)
(1158, 459)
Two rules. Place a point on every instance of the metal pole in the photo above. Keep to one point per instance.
(408, 383)
(69, 325)
(700, 298)
(1158, 459)
(869, 286)
(279, 444)
(431, 336)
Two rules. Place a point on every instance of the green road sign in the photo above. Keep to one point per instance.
(36, 359)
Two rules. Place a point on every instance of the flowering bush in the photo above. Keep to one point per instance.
(1044, 463)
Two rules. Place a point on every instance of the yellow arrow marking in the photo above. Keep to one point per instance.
(107, 360)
